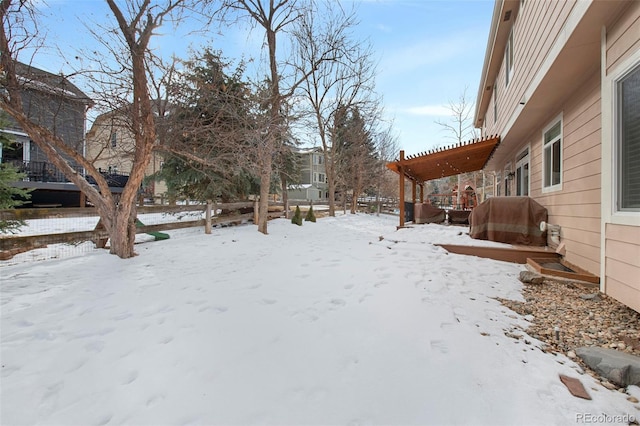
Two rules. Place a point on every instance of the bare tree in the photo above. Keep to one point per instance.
(135, 23)
(332, 87)
(276, 17)
(460, 127)
(385, 181)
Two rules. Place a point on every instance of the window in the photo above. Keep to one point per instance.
(508, 58)
(551, 157)
(627, 141)
(522, 173)
(320, 177)
(508, 176)
(317, 159)
(114, 139)
(498, 184)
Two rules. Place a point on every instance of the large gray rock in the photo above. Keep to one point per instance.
(528, 277)
(620, 368)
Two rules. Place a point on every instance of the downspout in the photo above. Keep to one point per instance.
(605, 208)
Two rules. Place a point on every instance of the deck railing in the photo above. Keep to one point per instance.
(43, 171)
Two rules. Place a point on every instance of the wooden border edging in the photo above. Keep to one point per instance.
(516, 254)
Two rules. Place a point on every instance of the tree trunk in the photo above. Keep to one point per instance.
(332, 197)
(265, 182)
(123, 233)
(285, 194)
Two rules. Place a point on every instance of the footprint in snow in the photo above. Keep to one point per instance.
(130, 378)
(215, 309)
(440, 346)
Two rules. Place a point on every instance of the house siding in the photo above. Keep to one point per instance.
(576, 207)
(622, 38)
(567, 56)
(621, 240)
(535, 29)
(103, 155)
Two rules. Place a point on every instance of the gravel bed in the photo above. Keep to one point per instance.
(566, 315)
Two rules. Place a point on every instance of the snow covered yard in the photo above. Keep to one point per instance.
(321, 324)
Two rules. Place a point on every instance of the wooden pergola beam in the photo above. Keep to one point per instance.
(441, 162)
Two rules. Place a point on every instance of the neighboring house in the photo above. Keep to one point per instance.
(52, 101)
(561, 87)
(313, 179)
(111, 147)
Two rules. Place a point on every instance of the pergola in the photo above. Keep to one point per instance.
(464, 157)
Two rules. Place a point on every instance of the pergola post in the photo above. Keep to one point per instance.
(401, 173)
(422, 193)
(413, 191)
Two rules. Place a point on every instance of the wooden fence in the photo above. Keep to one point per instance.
(214, 214)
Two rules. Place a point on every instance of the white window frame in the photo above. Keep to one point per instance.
(617, 143)
(610, 213)
(558, 186)
(509, 56)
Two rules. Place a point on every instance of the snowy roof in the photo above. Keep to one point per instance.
(44, 81)
(300, 186)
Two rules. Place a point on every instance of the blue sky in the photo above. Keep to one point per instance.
(427, 51)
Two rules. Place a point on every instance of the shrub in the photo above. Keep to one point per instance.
(11, 196)
(297, 217)
(310, 217)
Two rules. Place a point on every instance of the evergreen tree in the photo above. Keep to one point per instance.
(358, 161)
(207, 133)
(297, 217)
(10, 196)
(310, 217)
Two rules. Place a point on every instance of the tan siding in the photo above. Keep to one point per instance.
(563, 198)
(586, 162)
(622, 242)
(622, 38)
(622, 292)
(577, 206)
(584, 210)
(535, 32)
(535, 29)
(623, 272)
(589, 238)
(626, 234)
(624, 252)
(576, 179)
(584, 259)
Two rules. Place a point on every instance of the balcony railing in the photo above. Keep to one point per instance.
(43, 171)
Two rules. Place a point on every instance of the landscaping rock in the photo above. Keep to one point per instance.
(620, 368)
(575, 386)
(592, 296)
(529, 277)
